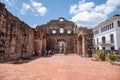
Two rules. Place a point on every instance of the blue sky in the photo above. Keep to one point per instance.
(86, 13)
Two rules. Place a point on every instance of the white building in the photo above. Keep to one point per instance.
(107, 34)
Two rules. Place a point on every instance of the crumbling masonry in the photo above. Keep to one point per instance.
(16, 37)
(19, 40)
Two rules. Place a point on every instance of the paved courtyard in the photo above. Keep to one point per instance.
(60, 67)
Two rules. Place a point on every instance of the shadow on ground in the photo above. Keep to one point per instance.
(23, 60)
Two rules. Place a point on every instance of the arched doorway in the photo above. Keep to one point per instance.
(61, 46)
(80, 45)
(103, 40)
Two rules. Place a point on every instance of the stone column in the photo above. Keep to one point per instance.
(78, 47)
(40, 45)
(43, 43)
(84, 47)
(75, 46)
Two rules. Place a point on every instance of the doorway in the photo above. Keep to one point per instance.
(61, 46)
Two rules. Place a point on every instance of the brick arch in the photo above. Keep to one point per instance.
(81, 44)
(80, 38)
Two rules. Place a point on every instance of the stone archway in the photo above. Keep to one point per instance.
(61, 46)
(81, 46)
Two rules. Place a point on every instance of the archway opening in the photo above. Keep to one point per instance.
(80, 45)
(61, 46)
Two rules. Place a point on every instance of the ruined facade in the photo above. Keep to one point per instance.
(16, 37)
(63, 36)
(19, 40)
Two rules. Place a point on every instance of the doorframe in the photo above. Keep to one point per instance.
(60, 45)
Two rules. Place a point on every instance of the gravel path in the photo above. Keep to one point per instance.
(60, 67)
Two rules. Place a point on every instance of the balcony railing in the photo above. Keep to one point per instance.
(105, 44)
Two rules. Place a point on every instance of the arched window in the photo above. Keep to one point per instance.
(61, 30)
(111, 38)
(103, 40)
(118, 23)
(112, 25)
(54, 31)
(97, 41)
(69, 32)
(94, 41)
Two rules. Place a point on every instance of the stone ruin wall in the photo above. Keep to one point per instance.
(72, 40)
(16, 37)
(84, 41)
(19, 40)
(40, 38)
(52, 41)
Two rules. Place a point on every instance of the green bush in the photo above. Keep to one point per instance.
(101, 54)
(95, 56)
(112, 57)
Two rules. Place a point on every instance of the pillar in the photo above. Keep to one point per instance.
(78, 47)
(84, 47)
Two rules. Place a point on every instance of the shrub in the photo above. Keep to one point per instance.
(101, 54)
(95, 56)
(112, 57)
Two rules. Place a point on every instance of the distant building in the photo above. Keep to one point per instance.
(107, 34)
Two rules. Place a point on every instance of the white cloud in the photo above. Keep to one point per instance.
(88, 14)
(111, 5)
(35, 7)
(113, 2)
(86, 6)
(74, 9)
(86, 18)
(100, 8)
(10, 2)
(25, 8)
(41, 10)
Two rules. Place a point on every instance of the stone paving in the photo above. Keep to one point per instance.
(60, 67)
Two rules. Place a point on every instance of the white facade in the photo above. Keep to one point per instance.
(107, 34)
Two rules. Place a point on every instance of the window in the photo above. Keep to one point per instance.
(101, 30)
(112, 38)
(96, 32)
(103, 48)
(97, 48)
(54, 31)
(97, 41)
(61, 19)
(105, 28)
(109, 27)
(94, 41)
(69, 32)
(118, 23)
(112, 25)
(61, 30)
(103, 40)
(112, 48)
